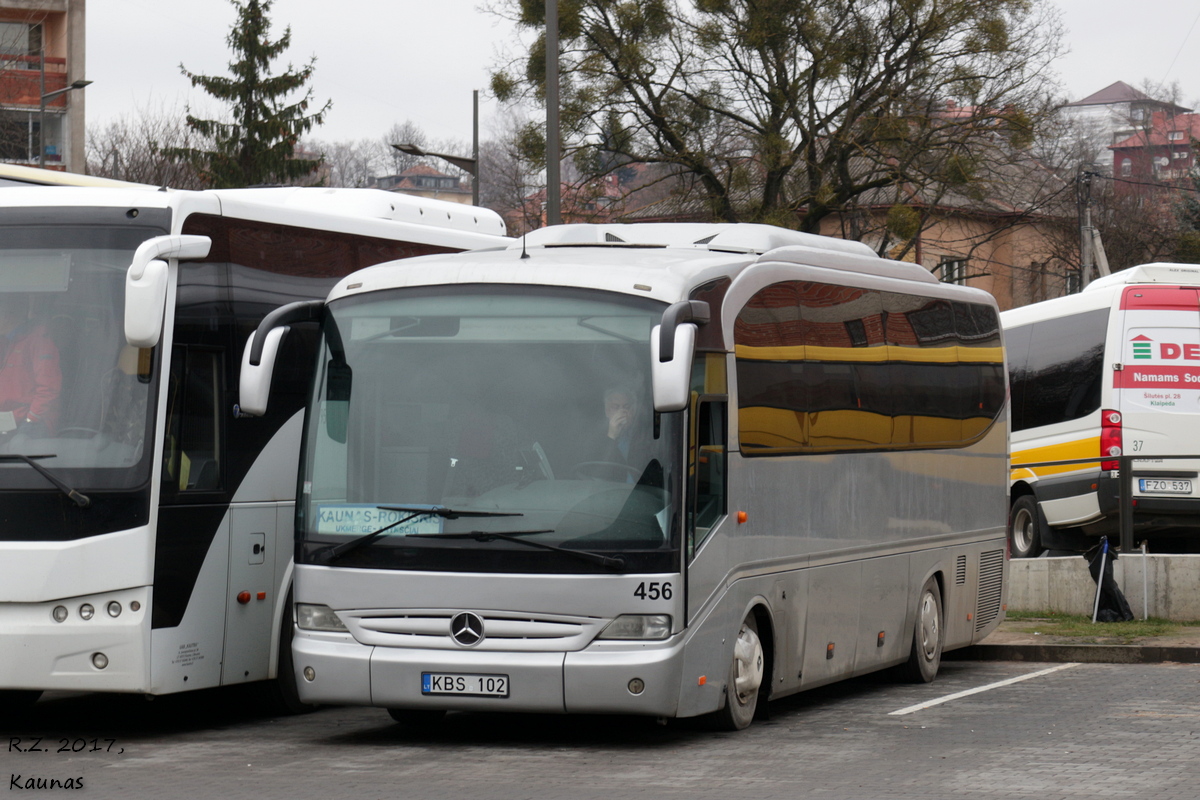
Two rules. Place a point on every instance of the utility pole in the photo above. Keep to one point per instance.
(553, 150)
(475, 147)
(1083, 198)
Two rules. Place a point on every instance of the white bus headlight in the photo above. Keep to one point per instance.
(317, 618)
(638, 626)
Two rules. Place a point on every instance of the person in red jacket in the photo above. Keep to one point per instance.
(30, 378)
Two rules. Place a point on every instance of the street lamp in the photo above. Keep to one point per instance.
(79, 84)
(468, 165)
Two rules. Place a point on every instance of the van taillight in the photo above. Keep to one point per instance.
(1110, 439)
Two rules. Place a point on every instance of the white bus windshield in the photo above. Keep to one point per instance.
(528, 400)
(70, 388)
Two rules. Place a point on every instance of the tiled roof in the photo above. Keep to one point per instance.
(1121, 92)
(1161, 125)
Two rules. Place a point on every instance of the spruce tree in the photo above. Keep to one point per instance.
(258, 146)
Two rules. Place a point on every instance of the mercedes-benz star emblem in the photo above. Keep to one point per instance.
(466, 629)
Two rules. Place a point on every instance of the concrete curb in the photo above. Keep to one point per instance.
(1086, 653)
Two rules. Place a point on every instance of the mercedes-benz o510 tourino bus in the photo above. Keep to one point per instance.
(1114, 369)
(147, 524)
(667, 470)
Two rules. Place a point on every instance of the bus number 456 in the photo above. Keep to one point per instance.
(653, 591)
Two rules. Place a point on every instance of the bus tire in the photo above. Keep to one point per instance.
(1024, 528)
(417, 717)
(742, 689)
(284, 694)
(15, 700)
(929, 635)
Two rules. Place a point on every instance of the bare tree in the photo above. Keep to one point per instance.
(137, 147)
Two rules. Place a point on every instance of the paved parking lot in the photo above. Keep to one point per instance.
(1085, 731)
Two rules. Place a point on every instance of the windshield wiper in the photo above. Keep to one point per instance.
(328, 554)
(515, 536)
(79, 499)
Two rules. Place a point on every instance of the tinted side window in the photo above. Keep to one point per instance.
(1061, 377)
(831, 368)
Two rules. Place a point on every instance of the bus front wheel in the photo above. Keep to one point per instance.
(1023, 530)
(745, 679)
(929, 635)
(283, 695)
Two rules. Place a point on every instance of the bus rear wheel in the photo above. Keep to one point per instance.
(929, 635)
(745, 679)
(1023, 528)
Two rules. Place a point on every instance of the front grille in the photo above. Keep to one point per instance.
(502, 630)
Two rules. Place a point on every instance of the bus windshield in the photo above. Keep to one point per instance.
(71, 390)
(532, 401)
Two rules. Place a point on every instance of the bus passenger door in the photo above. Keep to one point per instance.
(706, 494)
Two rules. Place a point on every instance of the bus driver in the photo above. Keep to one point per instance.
(30, 378)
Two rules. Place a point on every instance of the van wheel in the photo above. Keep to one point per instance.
(929, 635)
(416, 717)
(745, 679)
(1023, 528)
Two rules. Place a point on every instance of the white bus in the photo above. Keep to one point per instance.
(1112, 370)
(666, 470)
(147, 524)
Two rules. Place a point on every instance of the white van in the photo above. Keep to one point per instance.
(1114, 369)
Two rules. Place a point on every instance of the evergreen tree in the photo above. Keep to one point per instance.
(259, 145)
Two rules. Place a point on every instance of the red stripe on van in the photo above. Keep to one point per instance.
(1161, 298)
(1157, 377)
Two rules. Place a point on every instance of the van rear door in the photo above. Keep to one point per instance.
(1157, 388)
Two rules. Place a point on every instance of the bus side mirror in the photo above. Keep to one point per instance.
(146, 284)
(672, 347)
(254, 381)
(258, 359)
(672, 380)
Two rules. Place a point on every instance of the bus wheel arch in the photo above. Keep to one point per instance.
(748, 682)
(283, 694)
(929, 633)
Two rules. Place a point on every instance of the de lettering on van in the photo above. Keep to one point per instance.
(1188, 352)
(1166, 350)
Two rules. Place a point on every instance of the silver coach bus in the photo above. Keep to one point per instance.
(668, 470)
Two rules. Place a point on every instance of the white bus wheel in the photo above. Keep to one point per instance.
(1023, 528)
(416, 717)
(745, 679)
(929, 635)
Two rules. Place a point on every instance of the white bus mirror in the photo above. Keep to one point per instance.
(146, 284)
(672, 380)
(145, 301)
(258, 359)
(254, 381)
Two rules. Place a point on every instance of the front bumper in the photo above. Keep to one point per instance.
(594, 680)
(36, 652)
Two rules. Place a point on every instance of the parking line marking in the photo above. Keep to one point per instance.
(979, 689)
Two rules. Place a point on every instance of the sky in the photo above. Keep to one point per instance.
(387, 61)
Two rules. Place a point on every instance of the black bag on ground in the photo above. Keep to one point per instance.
(1113, 606)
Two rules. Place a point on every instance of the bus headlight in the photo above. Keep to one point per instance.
(638, 626)
(317, 618)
